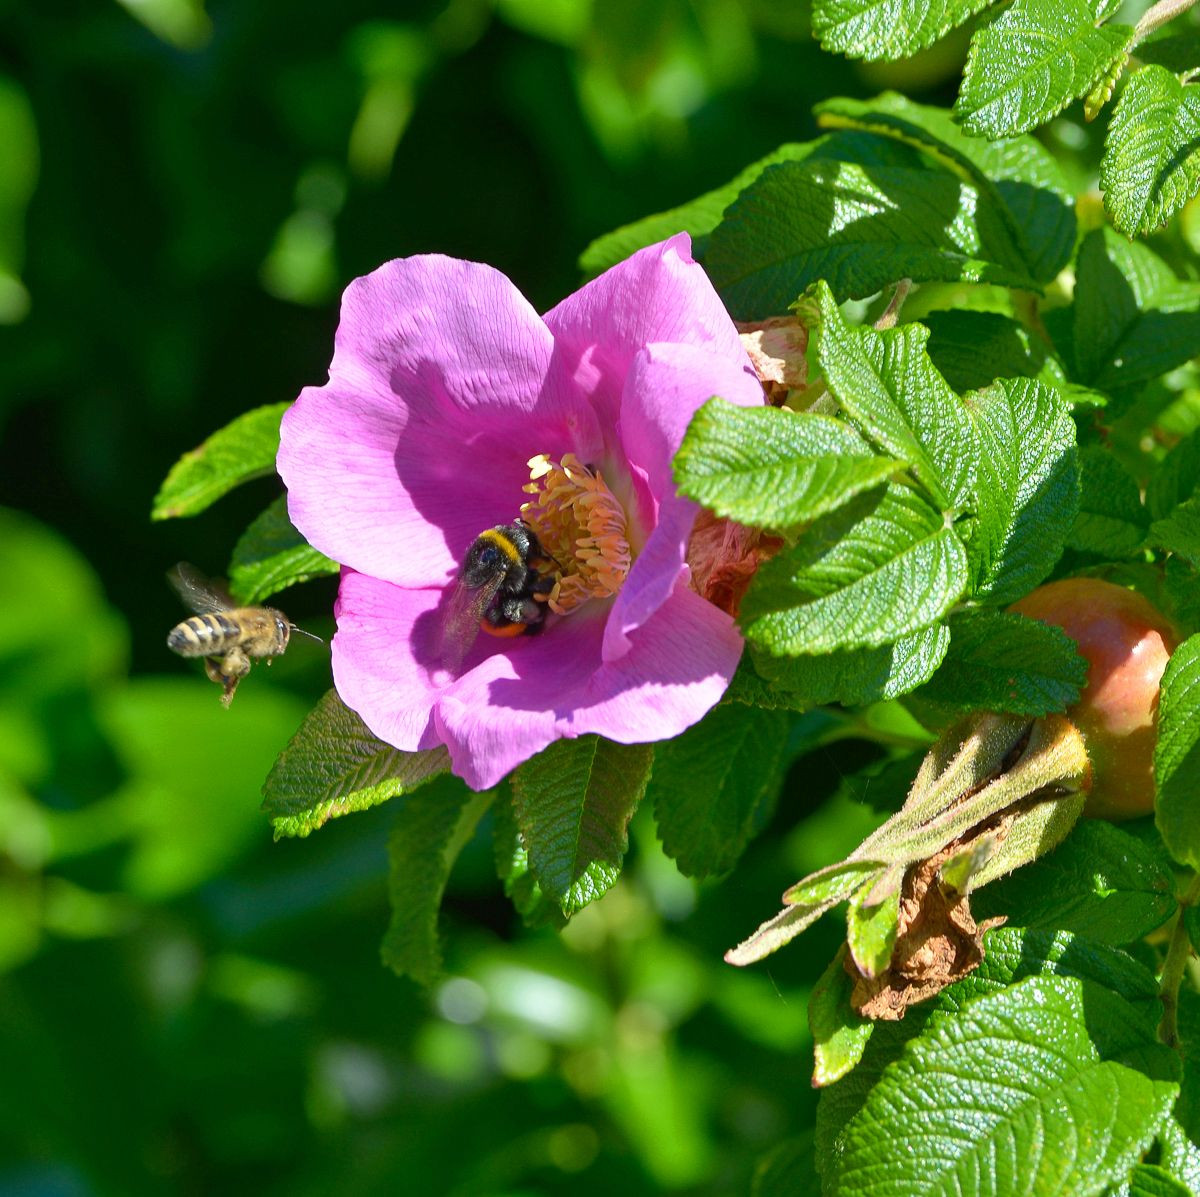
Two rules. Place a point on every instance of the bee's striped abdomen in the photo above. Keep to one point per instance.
(205, 635)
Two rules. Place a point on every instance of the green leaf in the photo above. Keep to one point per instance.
(1112, 521)
(1181, 585)
(890, 389)
(1028, 488)
(858, 227)
(430, 830)
(1019, 177)
(882, 567)
(872, 921)
(771, 467)
(839, 1035)
(858, 676)
(1032, 61)
(972, 349)
(1001, 661)
(1151, 163)
(709, 785)
(806, 901)
(1048, 1051)
(697, 217)
(1101, 883)
(887, 30)
(271, 555)
(1178, 52)
(334, 766)
(574, 801)
(1179, 533)
(1176, 479)
(1177, 754)
(1149, 1180)
(1133, 319)
(244, 449)
(512, 867)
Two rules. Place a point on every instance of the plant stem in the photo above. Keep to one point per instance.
(892, 313)
(1178, 951)
(1158, 15)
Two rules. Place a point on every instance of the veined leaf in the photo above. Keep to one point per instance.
(1133, 319)
(271, 555)
(574, 801)
(1028, 488)
(709, 785)
(882, 567)
(334, 766)
(1112, 521)
(774, 468)
(1001, 661)
(430, 831)
(512, 867)
(859, 228)
(1177, 754)
(987, 1081)
(857, 676)
(887, 30)
(244, 449)
(839, 1034)
(697, 217)
(1179, 532)
(890, 389)
(1101, 883)
(1032, 61)
(1176, 479)
(1151, 164)
(973, 349)
(1018, 177)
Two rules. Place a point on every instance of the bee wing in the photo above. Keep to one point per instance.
(460, 625)
(199, 594)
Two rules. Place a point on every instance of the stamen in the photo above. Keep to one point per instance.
(579, 524)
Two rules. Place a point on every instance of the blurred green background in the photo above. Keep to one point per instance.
(186, 1007)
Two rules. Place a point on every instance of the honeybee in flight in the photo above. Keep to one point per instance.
(225, 635)
(497, 590)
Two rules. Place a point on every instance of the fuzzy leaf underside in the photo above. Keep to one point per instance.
(244, 449)
(334, 765)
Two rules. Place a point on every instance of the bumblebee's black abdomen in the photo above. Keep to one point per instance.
(204, 635)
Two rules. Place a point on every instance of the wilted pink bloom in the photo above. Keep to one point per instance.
(451, 407)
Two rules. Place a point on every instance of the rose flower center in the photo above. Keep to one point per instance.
(581, 526)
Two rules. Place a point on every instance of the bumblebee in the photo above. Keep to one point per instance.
(497, 590)
(225, 635)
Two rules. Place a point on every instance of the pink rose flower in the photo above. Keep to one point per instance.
(452, 407)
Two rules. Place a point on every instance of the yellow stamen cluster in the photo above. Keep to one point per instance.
(579, 524)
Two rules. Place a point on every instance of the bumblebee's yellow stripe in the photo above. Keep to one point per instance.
(502, 542)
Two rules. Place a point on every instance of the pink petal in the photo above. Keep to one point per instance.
(555, 685)
(664, 388)
(658, 294)
(383, 658)
(437, 398)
